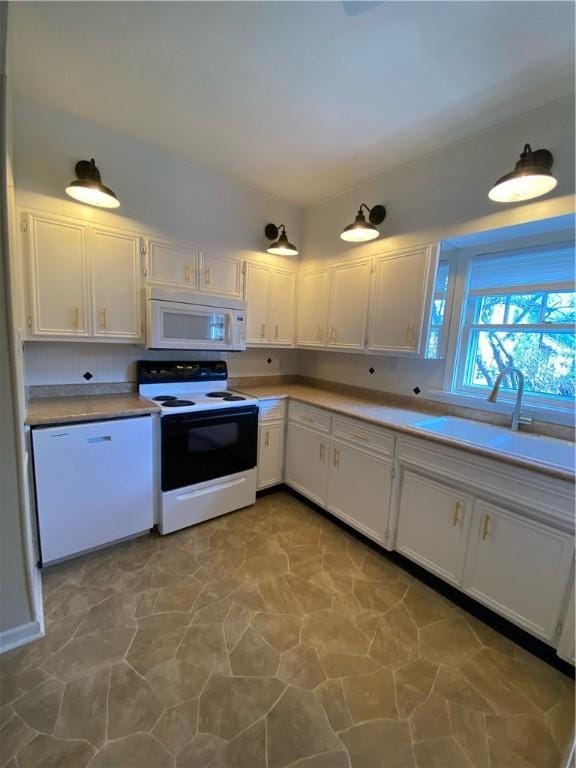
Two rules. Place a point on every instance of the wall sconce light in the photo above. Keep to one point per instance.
(530, 178)
(281, 246)
(88, 187)
(361, 230)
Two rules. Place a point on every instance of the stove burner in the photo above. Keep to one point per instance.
(164, 398)
(223, 394)
(234, 397)
(175, 403)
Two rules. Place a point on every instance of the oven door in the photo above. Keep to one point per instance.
(202, 446)
(175, 325)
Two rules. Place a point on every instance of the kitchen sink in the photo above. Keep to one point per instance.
(545, 450)
(460, 429)
(538, 448)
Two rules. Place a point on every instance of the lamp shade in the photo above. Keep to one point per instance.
(530, 178)
(282, 246)
(88, 188)
(361, 230)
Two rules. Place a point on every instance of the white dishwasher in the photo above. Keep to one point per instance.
(94, 484)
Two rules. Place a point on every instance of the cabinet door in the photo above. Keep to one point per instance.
(359, 489)
(312, 316)
(116, 284)
(433, 526)
(221, 275)
(400, 303)
(519, 568)
(58, 272)
(348, 305)
(172, 264)
(307, 462)
(257, 290)
(270, 454)
(281, 308)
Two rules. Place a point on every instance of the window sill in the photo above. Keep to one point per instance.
(564, 416)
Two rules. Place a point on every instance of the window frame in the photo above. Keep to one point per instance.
(457, 330)
(449, 258)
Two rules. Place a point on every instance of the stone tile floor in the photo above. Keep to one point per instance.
(269, 638)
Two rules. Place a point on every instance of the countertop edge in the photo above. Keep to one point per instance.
(526, 464)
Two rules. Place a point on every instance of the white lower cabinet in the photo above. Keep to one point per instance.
(270, 455)
(433, 526)
(271, 439)
(307, 462)
(519, 568)
(359, 489)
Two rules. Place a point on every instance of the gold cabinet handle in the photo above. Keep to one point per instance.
(336, 457)
(266, 439)
(485, 527)
(263, 330)
(359, 437)
(276, 332)
(409, 334)
(103, 318)
(456, 519)
(322, 451)
(187, 273)
(206, 275)
(320, 333)
(76, 318)
(306, 418)
(333, 334)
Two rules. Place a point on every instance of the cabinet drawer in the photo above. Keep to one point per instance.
(362, 434)
(312, 417)
(272, 410)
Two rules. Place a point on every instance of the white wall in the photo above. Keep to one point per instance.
(159, 193)
(17, 604)
(438, 196)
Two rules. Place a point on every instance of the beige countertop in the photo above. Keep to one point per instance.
(63, 410)
(404, 420)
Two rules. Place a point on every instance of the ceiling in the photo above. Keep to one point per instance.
(299, 99)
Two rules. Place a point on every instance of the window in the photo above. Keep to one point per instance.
(434, 346)
(519, 310)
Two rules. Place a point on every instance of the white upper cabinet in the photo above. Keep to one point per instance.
(270, 297)
(221, 275)
(281, 308)
(58, 276)
(312, 315)
(257, 290)
(348, 305)
(84, 280)
(116, 297)
(402, 287)
(172, 265)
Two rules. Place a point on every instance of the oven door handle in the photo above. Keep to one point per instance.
(214, 416)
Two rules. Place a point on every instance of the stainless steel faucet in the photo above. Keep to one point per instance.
(493, 396)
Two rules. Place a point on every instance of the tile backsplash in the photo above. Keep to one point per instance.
(93, 364)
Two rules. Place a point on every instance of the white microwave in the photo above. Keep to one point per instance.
(186, 320)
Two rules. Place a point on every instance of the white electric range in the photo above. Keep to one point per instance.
(208, 441)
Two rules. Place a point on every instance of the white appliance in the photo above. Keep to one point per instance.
(186, 320)
(94, 484)
(209, 441)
